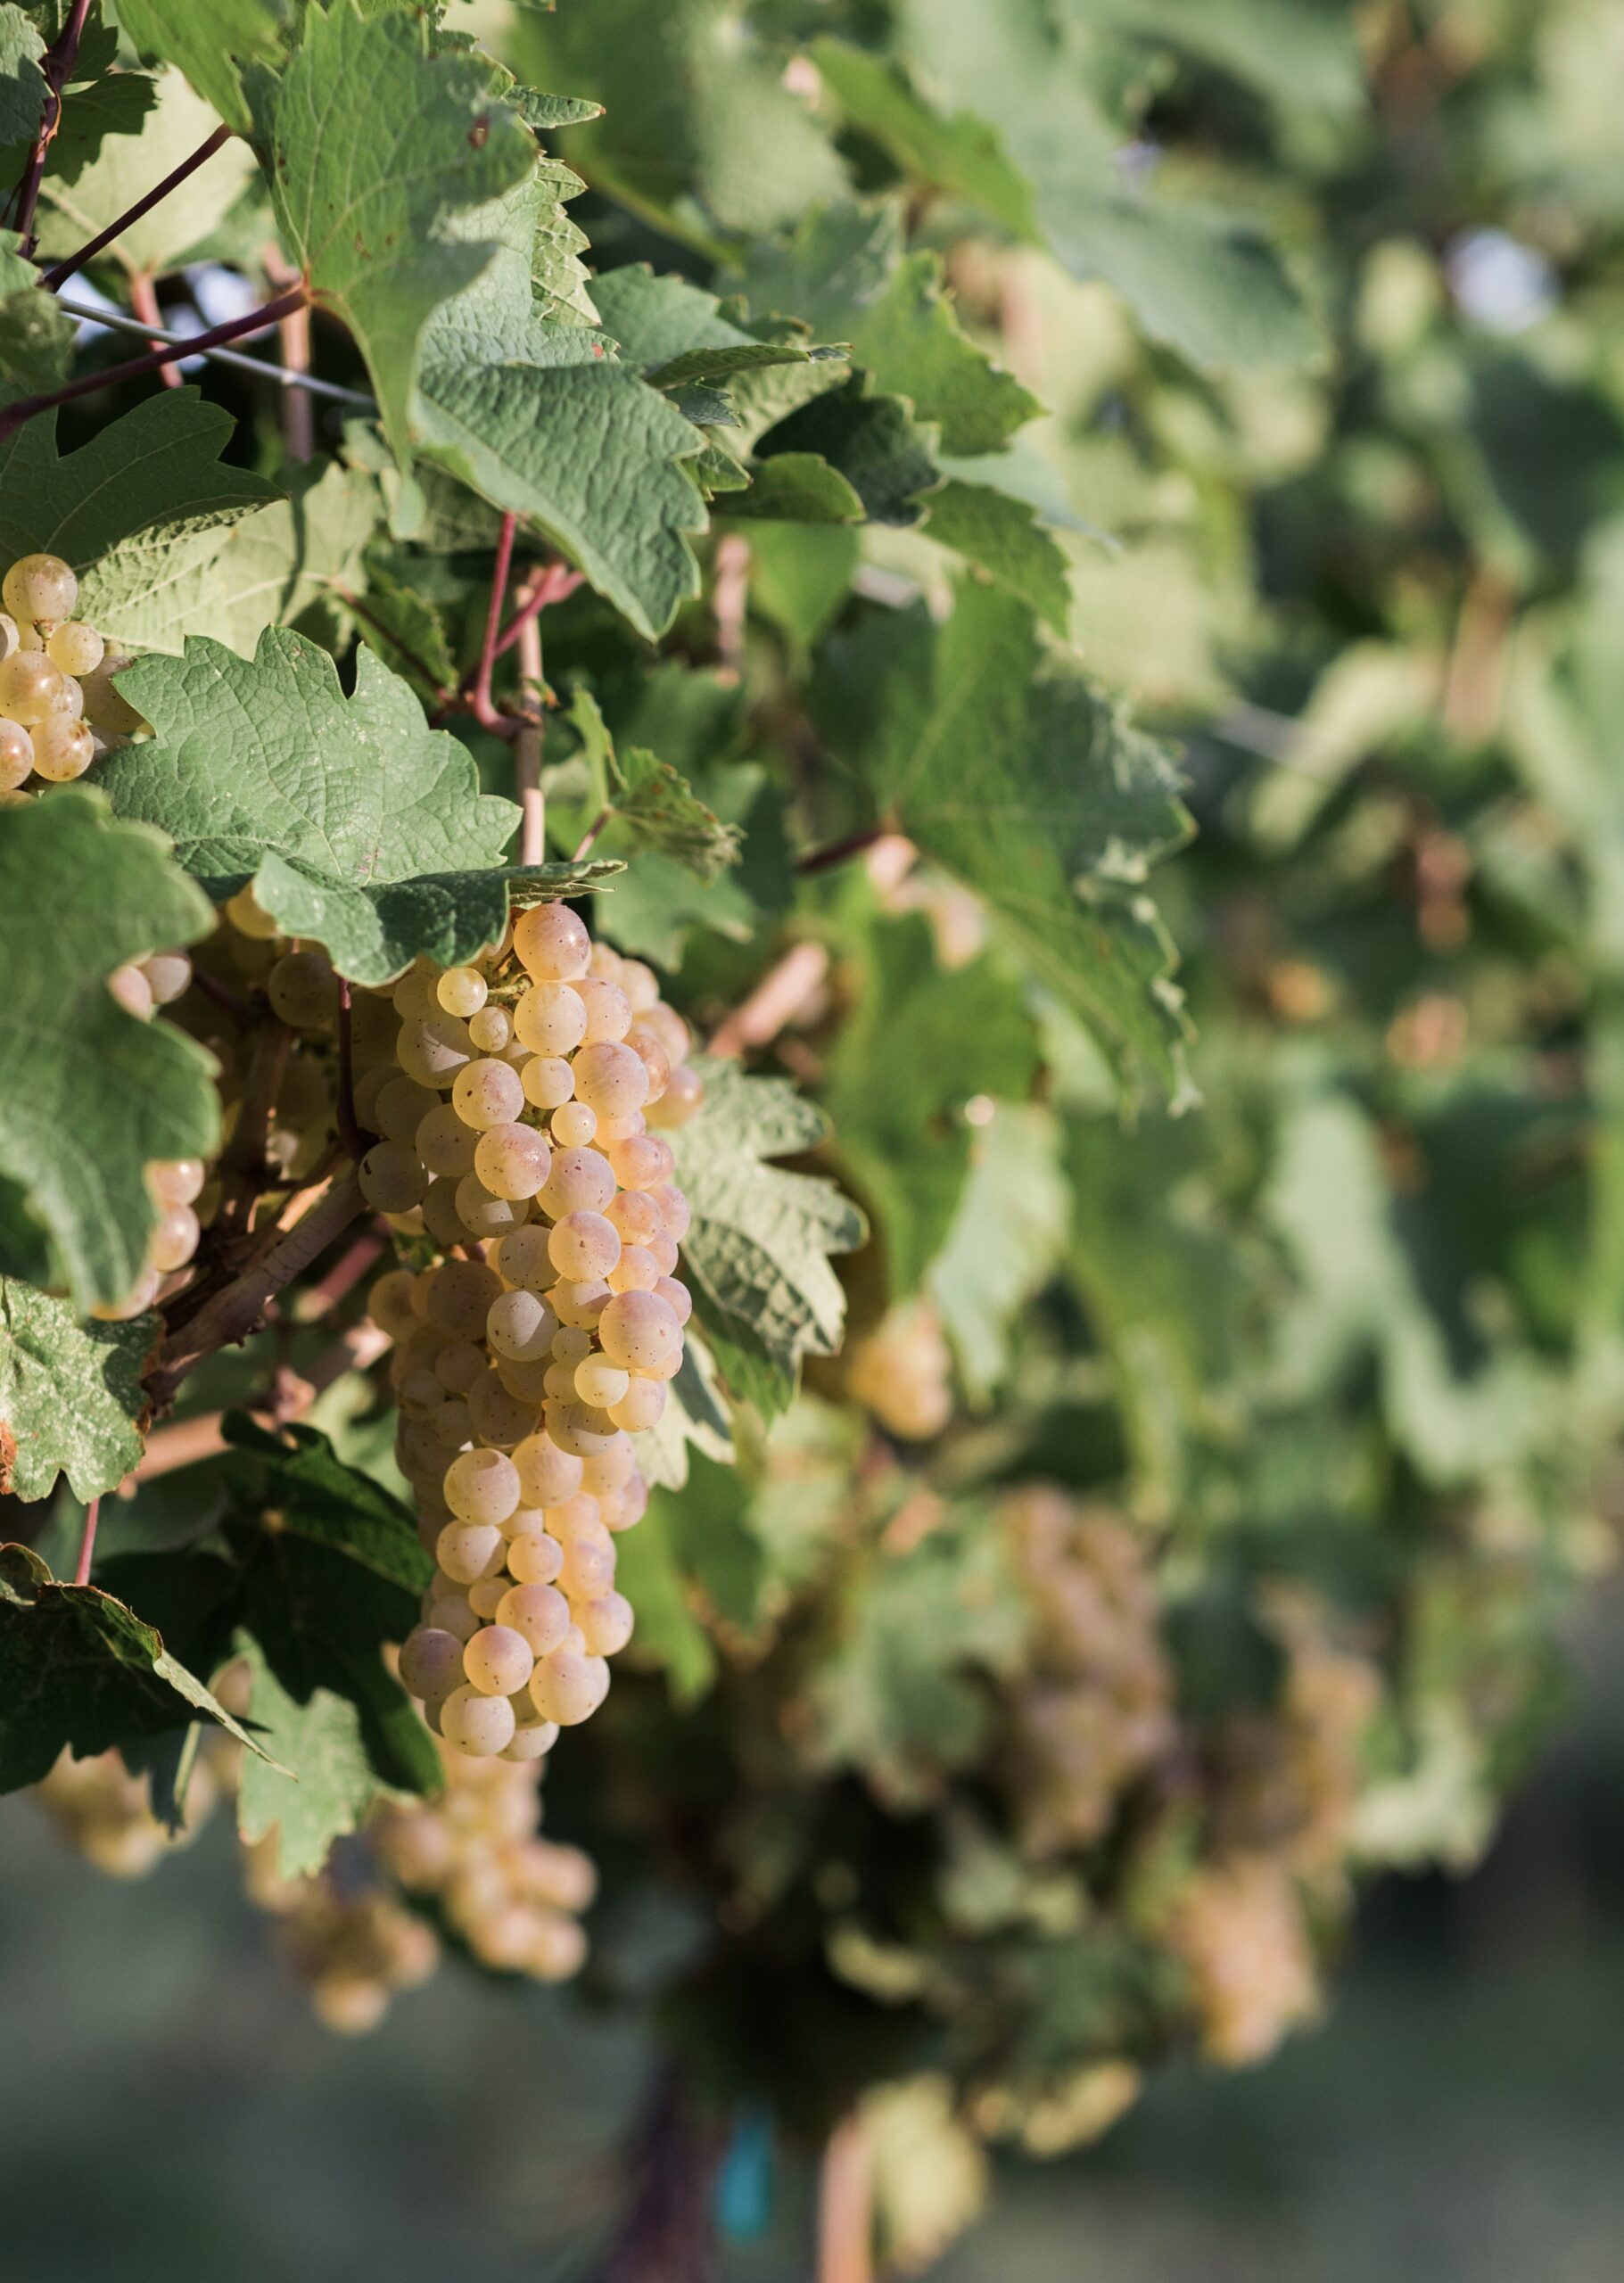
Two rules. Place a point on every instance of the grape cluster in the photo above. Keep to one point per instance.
(59, 704)
(1095, 1709)
(1239, 1926)
(902, 1373)
(512, 1896)
(354, 1946)
(102, 1810)
(515, 1119)
(176, 1184)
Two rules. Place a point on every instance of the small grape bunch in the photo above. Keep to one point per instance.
(352, 1947)
(514, 1897)
(518, 1125)
(176, 1185)
(59, 707)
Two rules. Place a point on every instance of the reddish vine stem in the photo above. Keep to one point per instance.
(552, 582)
(823, 860)
(260, 320)
(144, 302)
(846, 2209)
(592, 833)
(81, 1575)
(230, 1001)
(484, 709)
(57, 70)
(348, 1126)
(75, 262)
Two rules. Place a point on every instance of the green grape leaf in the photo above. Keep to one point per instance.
(903, 1698)
(79, 1671)
(961, 154)
(209, 44)
(696, 1415)
(72, 1400)
(326, 1783)
(940, 1037)
(125, 169)
(370, 141)
(119, 506)
(1296, 52)
(1008, 1237)
(36, 332)
(562, 285)
(798, 487)
(359, 825)
(668, 1635)
(801, 579)
(869, 439)
(542, 112)
(658, 808)
(93, 1094)
(724, 1564)
(300, 559)
(676, 334)
(1005, 538)
(120, 105)
(760, 1244)
(403, 623)
(692, 110)
(845, 272)
(297, 1473)
(22, 83)
(588, 452)
(1033, 789)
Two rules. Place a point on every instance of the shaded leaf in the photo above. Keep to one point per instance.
(79, 1671)
(79, 895)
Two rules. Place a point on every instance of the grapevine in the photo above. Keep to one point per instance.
(809, 903)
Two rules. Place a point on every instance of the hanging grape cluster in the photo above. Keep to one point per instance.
(60, 707)
(515, 1131)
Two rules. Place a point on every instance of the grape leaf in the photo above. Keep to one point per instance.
(119, 508)
(1007, 1238)
(1028, 145)
(798, 487)
(370, 141)
(676, 333)
(690, 106)
(960, 151)
(35, 332)
(125, 169)
(120, 105)
(659, 809)
(79, 1670)
(326, 1783)
(298, 1473)
(92, 1093)
(900, 1698)
(1005, 537)
(208, 44)
(298, 558)
(72, 1400)
(541, 421)
(1296, 51)
(870, 441)
(22, 83)
(361, 828)
(758, 1249)
(669, 1636)
(844, 271)
(1029, 787)
(939, 1037)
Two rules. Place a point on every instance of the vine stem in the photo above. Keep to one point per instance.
(777, 1000)
(823, 860)
(75, 262)
(298, 414)
(348, 1125)
(57, 71)
(184, 1441)
(227, 1318)
(144, 302)
(592, 833)
(845, 2208)
(260, 320)
(553, 582)
(527, 748)
(484, 709)
(81, 1574)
